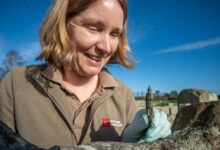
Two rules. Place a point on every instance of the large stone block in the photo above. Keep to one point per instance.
(203, 115)
(193, 96)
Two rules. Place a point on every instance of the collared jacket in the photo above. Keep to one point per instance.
(31, 106)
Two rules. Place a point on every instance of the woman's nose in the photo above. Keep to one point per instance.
(104, 44)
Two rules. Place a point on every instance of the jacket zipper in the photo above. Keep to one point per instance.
(94, 108)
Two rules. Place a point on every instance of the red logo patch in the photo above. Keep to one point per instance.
(106, 122)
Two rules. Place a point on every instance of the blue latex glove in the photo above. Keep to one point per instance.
(159, 127)
(140, 130)
(135, 131)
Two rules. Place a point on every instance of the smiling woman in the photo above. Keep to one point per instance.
(81, 43)
(72, 98)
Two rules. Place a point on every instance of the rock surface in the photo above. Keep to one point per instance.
(196, 127)
(204, 115)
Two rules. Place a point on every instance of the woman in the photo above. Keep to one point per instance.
(72, 99)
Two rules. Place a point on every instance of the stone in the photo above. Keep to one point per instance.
(205, 115)
(193, 96)
(173, 110)
(171, 118)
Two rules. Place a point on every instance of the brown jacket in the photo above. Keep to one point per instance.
(32, 107)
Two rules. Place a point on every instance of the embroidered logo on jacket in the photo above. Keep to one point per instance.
(106, 123)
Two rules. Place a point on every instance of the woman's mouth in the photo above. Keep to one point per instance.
(94, 57)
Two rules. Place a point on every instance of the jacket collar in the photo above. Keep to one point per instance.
(54, 74)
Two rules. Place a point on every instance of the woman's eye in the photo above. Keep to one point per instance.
(115, 35)
(93, 29)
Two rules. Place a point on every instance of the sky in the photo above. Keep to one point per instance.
(175, 43)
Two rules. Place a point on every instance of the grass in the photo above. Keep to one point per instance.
(162, 102)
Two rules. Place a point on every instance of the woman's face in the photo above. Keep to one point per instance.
(95, 33)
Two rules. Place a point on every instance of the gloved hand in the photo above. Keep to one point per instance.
(134, 132)
(140, 130)
(159, 127)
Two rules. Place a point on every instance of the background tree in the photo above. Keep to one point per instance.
(173, 93)
(166, 94)
(157, 93)
(12, 59)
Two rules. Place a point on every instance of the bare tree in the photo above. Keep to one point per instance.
(173, 93)
(12, 59)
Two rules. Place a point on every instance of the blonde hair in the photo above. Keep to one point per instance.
(56, 45)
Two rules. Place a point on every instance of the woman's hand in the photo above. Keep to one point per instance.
(134, 132)
(159, 127)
